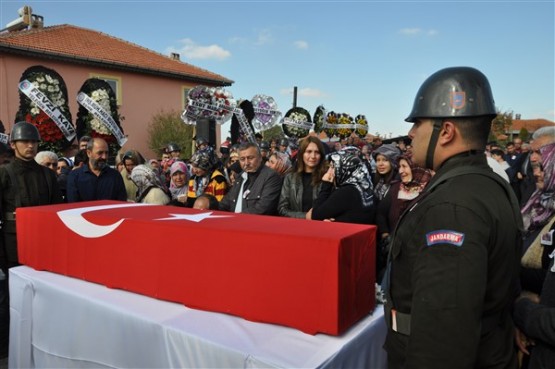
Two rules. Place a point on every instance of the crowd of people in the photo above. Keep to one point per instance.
(449, 231)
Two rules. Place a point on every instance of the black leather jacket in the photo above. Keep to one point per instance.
(291, 198)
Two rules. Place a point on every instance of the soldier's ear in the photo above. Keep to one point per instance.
(448, 132)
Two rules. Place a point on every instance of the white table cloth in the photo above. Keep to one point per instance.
(62, 322)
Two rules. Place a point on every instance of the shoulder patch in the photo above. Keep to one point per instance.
(444, 236)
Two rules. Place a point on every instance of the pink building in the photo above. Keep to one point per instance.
(145, 82)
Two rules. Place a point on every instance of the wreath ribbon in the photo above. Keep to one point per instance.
(295, 123)
(44, 104)
(244, 124)
(95, 109)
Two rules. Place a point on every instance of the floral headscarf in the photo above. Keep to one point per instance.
(351, 171)
(144, 178)
(283, 163)
(541, 205)
(175, 191)
(420, 178)
(204, 159)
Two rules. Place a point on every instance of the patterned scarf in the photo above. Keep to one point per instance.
(144, 178)
(175, 191)
(541, 206)
(420, 178)
(283, 163)
(351, 171)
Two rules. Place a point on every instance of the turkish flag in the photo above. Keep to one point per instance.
(310, 275)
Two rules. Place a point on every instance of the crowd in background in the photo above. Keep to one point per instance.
(386, 181)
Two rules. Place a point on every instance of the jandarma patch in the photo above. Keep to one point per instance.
(444, 236)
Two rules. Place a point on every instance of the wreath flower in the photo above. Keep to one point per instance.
(51, 84)
(318, 118)
(262, 119)
(222, 97)
(347, 120)
(361, 125)
(88, 125)
(209, 102)
(330, 123)
(296, 122)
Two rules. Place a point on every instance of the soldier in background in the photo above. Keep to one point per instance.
(23, 182)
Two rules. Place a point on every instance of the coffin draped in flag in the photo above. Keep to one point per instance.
(313, 276)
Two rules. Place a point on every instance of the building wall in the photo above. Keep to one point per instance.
(142, 96)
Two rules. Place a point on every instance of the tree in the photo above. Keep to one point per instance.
(275, 132)
(501, 124)
(167, 127)
(524, 134)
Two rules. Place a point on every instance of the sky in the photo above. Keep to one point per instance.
(355, 57)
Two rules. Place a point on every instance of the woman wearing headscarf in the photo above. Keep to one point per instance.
(386, 169)
(534, 310)
(279, 162)
(401, 194)
(351, 200)
(302, 187)
(179, 178)
(149, 188)
(229, 165)
(206, 178)
(539, 210)
(129, 160)
(540, 206)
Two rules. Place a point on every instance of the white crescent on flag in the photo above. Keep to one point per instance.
(73, 219)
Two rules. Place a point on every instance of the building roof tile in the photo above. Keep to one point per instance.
(531, 125)
(89, 46)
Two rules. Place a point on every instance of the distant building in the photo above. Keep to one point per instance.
(531, 125)
(145, 81)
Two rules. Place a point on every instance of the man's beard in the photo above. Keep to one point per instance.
(99, 164)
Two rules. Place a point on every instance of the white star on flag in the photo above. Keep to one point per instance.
(194, 217)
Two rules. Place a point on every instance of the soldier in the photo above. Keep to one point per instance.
(453, 262)
(264, 151)
(174, 150)
(23, 182)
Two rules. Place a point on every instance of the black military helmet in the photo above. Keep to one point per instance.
(283, 142)
(201, 141)
(264, 145)
(173, 147)
(23, 131)
(453, 92)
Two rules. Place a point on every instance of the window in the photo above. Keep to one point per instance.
(114, 82)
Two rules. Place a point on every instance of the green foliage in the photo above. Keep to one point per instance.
(524, 134)
(276, 132)
(167, 127)
(502, 123)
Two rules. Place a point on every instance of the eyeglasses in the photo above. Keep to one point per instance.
(51, 165)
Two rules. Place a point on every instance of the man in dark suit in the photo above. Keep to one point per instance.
(257, 189)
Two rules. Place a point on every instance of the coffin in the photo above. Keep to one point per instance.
(310, 275)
